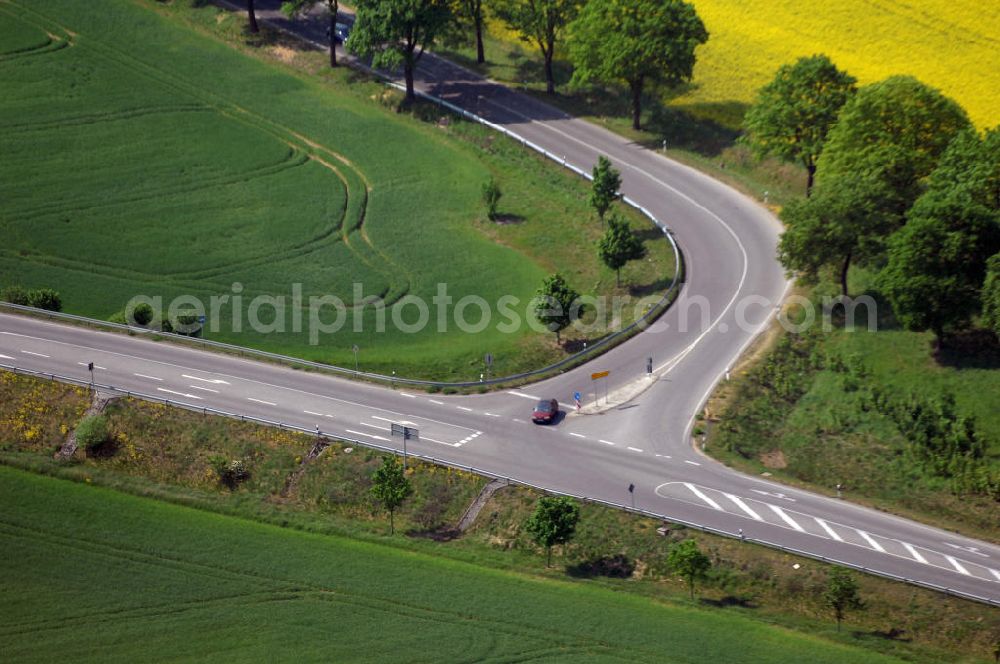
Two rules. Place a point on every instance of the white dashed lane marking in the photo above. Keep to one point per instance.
(28, 352)
(266, 403)
(464, 408)
(434, 401)
(693, 463)
(578, 435)
(309, 412)
(995, 573)
(6, 357)
(408, 395)
(148, 377)
(203, 389)
(86, 364)
(607, 442)
(522, 395)
(213, 381)
(180, 394)
(491, 415)
(367, 435)
(634, 449)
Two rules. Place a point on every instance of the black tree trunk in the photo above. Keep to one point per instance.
(636, 87)
(480, 51)
(810, 177)
(252, 15)
(333, 33)
(408, 68)
(843, 273)
(550, 79)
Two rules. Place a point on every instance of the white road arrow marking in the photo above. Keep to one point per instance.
(213, 381)
(968, 549)
(787, 519)
(180, 394)
(696, 491)
(957, 565)
(779, 496)
(743, 506)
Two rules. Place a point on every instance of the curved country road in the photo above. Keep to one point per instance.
(733, 287)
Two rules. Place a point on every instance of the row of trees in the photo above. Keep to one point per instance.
(40, 298)
(898, 181)
(634, 43)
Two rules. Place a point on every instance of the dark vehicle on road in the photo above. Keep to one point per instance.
(342, 32)
(545, 411)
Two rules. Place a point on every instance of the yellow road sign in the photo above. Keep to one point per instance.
(599, 374)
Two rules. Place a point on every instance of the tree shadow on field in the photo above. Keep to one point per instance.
(641, 290)
(438, 534)
(692, 129)
(612, 567)
(891, 634)
(729, 601)
(970, 349)
(861, 316)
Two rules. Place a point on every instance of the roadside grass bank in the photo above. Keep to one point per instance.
(844, 407)
(174, 456)
(155, 180)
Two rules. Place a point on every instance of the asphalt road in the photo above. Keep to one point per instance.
(642, 439)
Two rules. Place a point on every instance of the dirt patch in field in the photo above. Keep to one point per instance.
(774, 459)
(283, 53)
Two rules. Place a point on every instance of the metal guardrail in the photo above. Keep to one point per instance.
(497, 476)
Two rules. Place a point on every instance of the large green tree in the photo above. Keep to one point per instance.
(293, 8)
(635, 42)
(604, 188)
(688, 562)
(971, 164)
(845, 222)
(619, 245)
(991, 295)
(554, 304)
(793, 114)
(841, 593)
(540, 22)
(396, 32)
(390, 487)
(553, 522)
(937, 262)
(897, 128)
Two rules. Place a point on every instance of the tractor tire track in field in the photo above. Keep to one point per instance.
(375, 259)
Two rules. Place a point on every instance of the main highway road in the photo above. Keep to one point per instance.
(641, 440)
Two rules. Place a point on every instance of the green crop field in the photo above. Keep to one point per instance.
(108, 577)
(143, 158)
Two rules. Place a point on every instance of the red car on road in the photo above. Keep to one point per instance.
(545, 411)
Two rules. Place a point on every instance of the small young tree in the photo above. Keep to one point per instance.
(619, 246)
(841, 593)
(293, 8)
(390, 487)
(491, 197)
(554, 304)
(607, 182)
(45, 298)
(688, 562)
(553, 522)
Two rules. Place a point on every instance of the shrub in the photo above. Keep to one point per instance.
(45, 298)
(93, 434)
(491, 197)
(142, 314)
(15, 295)
(231, 473)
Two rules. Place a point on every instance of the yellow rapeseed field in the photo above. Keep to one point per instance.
(953, 45)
